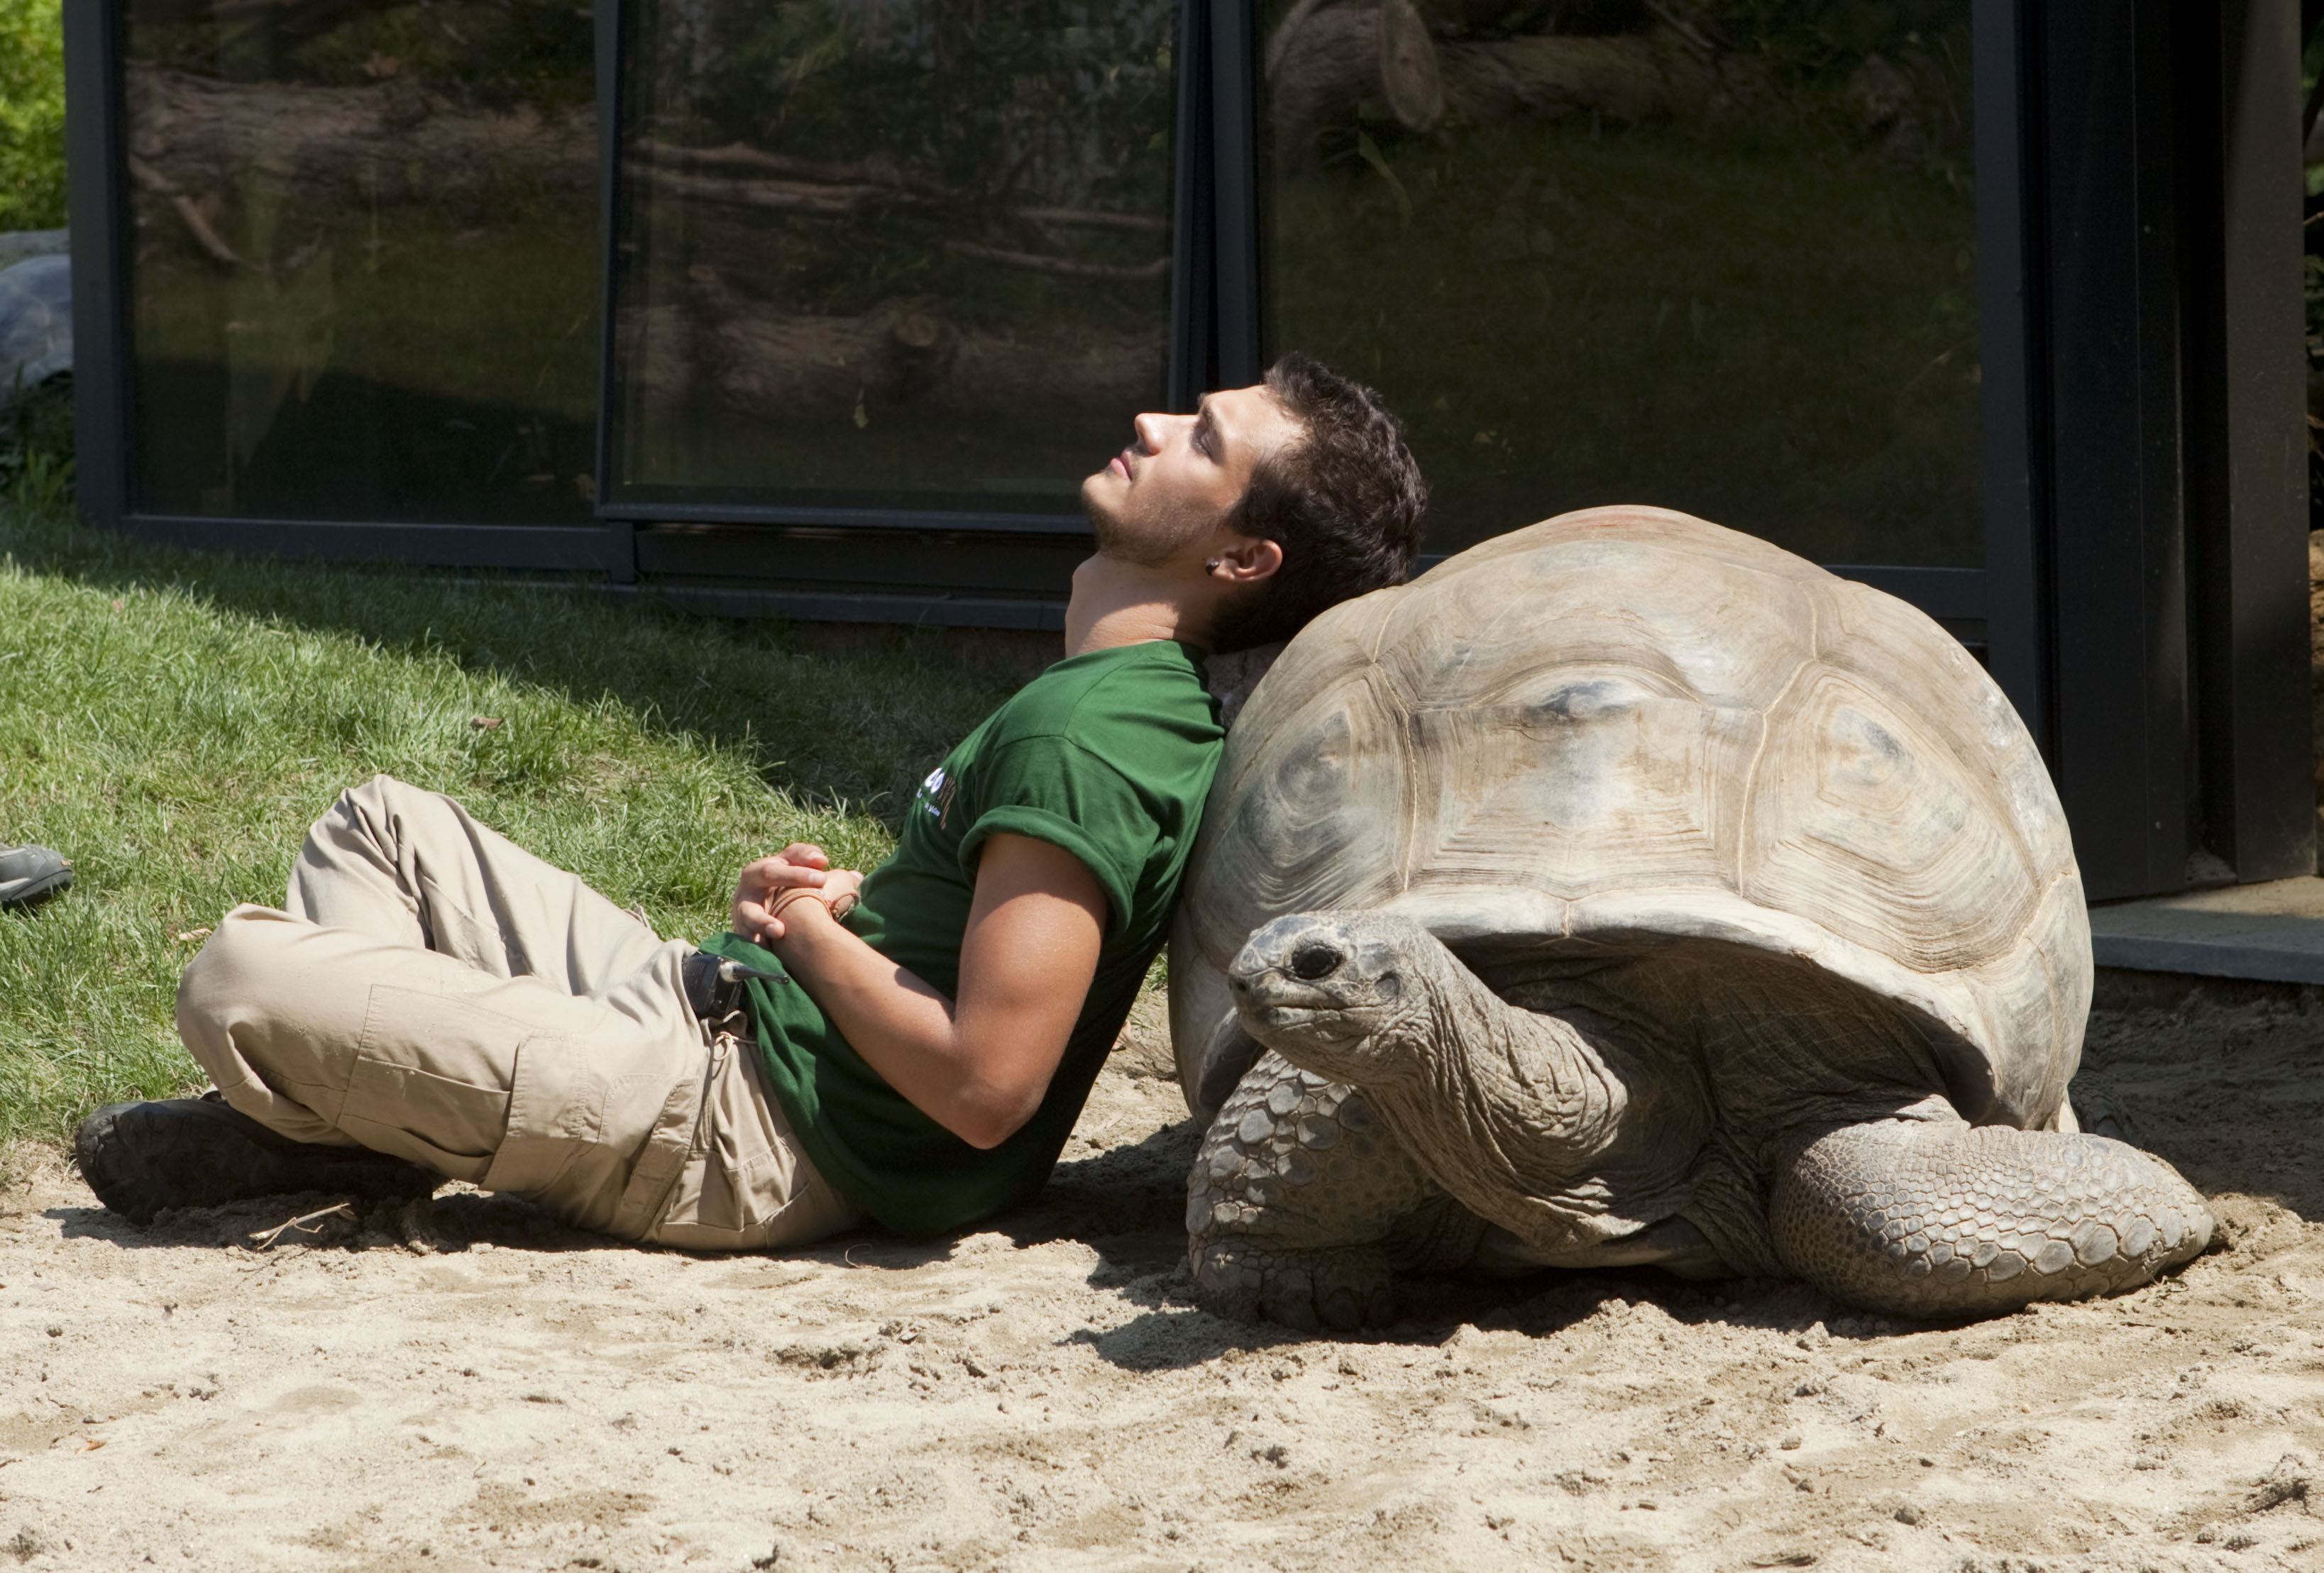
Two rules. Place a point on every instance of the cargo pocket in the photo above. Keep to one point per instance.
(431, 1081)
(659, 1160)
(556, 1115)
(746, 1185)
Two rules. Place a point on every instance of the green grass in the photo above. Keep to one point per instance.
(172, 721)
(32, 114)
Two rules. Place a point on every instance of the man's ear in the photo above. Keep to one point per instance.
(1244, 559)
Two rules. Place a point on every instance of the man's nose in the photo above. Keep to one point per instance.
(1153, 429)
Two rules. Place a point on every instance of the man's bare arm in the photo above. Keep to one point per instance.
(978, 1065)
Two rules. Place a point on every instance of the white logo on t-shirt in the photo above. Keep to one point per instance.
(934, 798)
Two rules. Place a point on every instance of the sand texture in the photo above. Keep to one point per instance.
(468, 1385)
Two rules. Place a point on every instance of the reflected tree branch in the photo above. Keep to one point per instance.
(208, 238)
(1065, 267)
(865, 184)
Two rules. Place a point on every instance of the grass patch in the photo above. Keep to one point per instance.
(172, 721)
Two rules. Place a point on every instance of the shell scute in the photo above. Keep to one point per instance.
(1606, 601)
(1605, 780)
(1863, 816)
(1330, 778)
(1885, 645)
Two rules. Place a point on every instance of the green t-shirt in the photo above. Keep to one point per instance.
(1108, 755)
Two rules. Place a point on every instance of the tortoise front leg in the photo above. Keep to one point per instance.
(1925, 1219)
(1301, 1205)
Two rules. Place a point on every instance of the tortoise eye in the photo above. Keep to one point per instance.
(1315, 960)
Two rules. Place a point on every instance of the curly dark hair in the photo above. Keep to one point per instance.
(1346, 504)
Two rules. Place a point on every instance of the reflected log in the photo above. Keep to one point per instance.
(291, 18)
(391, 143)
(1650, 76)
(765, 362)
(1326, 59)
(1323, 57)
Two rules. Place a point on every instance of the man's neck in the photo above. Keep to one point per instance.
(1119, 604)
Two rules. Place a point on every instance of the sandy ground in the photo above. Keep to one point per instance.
(471, 1386)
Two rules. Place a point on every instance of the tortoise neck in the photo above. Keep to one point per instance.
(1506, 1098)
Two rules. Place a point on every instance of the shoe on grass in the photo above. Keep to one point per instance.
(197, 1151)
(30, 874)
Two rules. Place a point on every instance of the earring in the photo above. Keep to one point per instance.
(1211, 567)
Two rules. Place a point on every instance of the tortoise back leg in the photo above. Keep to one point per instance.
(1931, 1218)
(1301, 1205)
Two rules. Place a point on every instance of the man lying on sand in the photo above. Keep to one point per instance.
(913, 1046)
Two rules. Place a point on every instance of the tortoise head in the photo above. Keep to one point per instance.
(1354, 996)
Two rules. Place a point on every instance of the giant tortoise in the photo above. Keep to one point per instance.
(1628, 890)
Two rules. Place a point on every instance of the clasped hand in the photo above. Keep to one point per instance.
(760, 894)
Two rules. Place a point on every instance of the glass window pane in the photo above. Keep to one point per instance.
(1717, 256)
(890, 252)
(363, 259)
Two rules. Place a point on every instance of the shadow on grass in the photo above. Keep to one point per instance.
(857, 722)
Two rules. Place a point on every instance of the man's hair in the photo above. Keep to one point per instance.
(1344, 500)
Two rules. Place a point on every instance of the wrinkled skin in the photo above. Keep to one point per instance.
(1408, 1115)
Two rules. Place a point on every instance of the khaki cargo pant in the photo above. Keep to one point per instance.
(432, 990)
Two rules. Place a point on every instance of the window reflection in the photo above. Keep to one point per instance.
(890, 251)
(363, 258)
(1717, 256)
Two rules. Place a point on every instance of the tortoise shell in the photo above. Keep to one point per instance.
(1628, 726)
